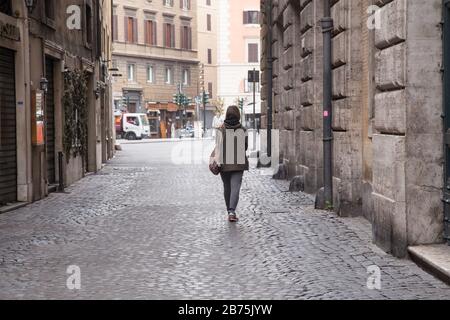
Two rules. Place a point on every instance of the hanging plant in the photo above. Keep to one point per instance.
(75, 111)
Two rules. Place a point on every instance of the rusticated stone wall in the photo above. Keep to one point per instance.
(387, 102)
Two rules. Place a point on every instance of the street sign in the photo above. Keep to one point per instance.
(253, 76)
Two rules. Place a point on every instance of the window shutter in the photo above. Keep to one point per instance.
(182, 37)
(154, 36)
(253, 52)
(135, 30)
(165, 34)
(146, 32)
(173, 36)
(190, 38)
(115, 28)
(125, 24)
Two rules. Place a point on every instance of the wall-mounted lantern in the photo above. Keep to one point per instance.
(30, 5)
(44, 84)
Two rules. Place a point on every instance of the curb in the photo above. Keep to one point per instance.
(435, 259)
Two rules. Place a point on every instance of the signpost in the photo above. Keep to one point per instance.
(253, 77)
(205, 101)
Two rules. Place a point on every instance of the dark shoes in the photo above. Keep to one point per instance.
(232, 217)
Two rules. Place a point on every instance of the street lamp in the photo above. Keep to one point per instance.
(44, 84)
(30, 5)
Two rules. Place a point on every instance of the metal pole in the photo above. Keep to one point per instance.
(204, 113)
(60, 172)
(327, 28)
(269, 74)
(254, 109)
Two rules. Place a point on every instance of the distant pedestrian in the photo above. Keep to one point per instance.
(232, 158)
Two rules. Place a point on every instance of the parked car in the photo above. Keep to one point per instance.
(187, 132)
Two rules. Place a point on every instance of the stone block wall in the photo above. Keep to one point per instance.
(387, 102)
(347, 77)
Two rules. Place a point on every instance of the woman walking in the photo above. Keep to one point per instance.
(230, 155)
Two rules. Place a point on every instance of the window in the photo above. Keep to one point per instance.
(209, 56)
(150, 74)
(208, 22)
(88, 23)
(49, 11)
(168, 75)
(185, 4)
(186, 37)
(150, 32)
(253, 54)
(131, 71)
(6, 7)
(131, 31)
(251, 17)
(168, 3)
(208, 2)
(210, 90)
(115, 26)
(169, 35)
(185, 77)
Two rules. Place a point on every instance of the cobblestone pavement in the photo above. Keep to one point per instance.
(146, 228)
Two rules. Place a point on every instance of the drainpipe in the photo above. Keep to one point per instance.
(327, 28)
(269, 74)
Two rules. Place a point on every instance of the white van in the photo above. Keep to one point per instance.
(134, 126)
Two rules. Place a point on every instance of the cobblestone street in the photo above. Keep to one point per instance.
(146, 228)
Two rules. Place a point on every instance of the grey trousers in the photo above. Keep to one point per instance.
(232, 182)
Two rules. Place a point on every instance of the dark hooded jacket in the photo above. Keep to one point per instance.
(232, 122)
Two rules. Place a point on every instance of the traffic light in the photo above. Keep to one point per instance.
(177, 98)
(241, 103)
(205, 97)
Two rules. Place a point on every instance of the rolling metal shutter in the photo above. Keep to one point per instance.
(8, 147)
(50, 122)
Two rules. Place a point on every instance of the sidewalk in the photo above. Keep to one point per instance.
(122, 141)
(434, 259)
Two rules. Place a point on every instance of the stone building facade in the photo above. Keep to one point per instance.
(155, 50)
(388, 159)
(38, 50)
